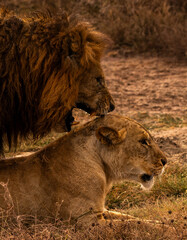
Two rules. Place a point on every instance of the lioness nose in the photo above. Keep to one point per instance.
(163, 161)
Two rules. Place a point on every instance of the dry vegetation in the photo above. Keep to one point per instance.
(137, 26)
(166, 203)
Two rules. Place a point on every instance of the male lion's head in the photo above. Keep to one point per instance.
(51, 64)
(85, 49)
(93, 96)
(129, 151)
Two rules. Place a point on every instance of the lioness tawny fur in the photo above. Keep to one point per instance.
(76, 171)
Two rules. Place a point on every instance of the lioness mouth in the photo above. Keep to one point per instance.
(146, 177)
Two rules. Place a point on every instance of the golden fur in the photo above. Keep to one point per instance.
(70, 177)
(45, 62)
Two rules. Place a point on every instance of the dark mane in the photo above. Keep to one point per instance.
(41, 60)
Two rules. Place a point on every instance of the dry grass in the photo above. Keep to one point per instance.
(129, 196)
(14, 228)
(18, 228)
(140, 25)
(143, 26)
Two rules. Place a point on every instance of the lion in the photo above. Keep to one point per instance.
(48, 66)
(70, 178)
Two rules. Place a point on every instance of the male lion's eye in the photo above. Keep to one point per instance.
(144, 141)
(99, 79)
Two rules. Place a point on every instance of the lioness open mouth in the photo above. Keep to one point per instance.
(147, 181)
(146, 177)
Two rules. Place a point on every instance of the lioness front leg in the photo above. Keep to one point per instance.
(116, 215)
(119, 216)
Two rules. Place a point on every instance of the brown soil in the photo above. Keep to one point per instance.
(151, 86)
(147, 84)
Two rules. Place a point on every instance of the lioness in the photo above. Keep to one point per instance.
(70, 177)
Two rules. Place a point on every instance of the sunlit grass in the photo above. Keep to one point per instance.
(160, 121)
(166, 201)
(173, 184)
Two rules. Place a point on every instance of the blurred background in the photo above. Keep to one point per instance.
(139, 25)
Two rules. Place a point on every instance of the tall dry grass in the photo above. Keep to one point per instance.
(17, 228)
(141, 25)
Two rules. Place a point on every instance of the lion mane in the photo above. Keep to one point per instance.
(42, 59)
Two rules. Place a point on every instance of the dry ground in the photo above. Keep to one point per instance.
(149, 84)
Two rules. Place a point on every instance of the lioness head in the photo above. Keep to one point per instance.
(93, 96)
(129, 151)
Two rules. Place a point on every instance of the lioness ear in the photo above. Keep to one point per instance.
(107, 135)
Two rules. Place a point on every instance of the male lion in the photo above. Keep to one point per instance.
(48, 65)
(70, 178)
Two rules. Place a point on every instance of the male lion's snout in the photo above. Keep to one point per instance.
(110, 102)
(105, 105)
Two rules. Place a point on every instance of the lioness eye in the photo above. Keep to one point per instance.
(143, 141)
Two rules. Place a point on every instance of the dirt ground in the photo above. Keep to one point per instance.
(147, 84)
(148, 88)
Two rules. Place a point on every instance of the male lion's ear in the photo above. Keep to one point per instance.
(107, 135)
(75, 43)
